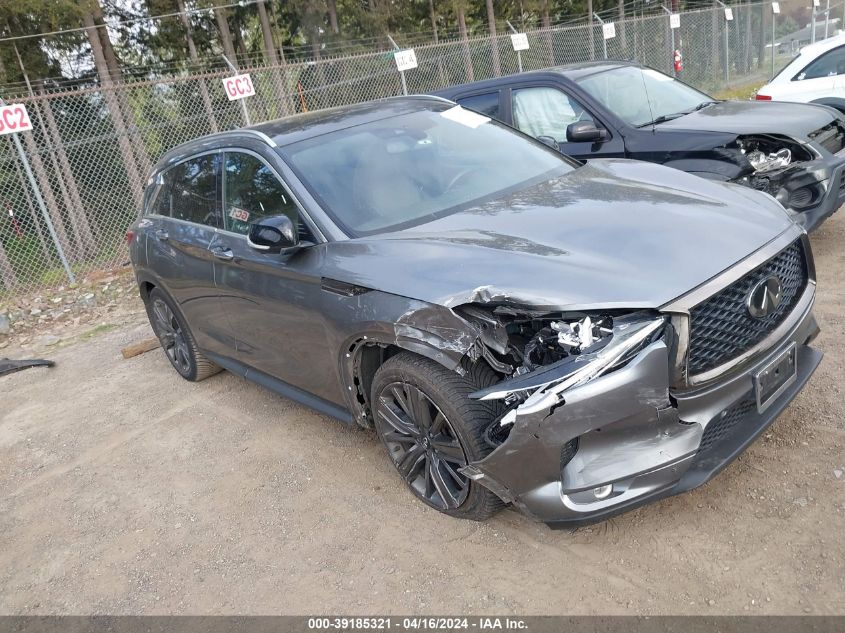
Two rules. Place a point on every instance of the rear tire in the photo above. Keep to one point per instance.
(176, 339)
(431, 428)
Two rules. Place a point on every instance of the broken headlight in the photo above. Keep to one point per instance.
(588, 347)
(768, 162)
(771, 153)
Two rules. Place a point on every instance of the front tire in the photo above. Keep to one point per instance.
(431, 428)
(176, 339)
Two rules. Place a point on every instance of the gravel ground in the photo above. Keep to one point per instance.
(125, 490)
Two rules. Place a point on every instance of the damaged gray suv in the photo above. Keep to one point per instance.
(518, 327)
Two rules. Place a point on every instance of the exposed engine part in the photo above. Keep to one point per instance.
(579, 335)
(565, 338)
(768, 154)
(769, 162)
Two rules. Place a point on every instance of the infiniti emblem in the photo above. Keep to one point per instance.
(765, 297)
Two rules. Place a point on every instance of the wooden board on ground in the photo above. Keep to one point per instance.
(139, 348)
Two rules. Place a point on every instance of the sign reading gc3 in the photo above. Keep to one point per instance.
(238, 87)
(14, 118)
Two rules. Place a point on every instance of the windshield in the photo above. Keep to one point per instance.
(640, 96)
(412, 168)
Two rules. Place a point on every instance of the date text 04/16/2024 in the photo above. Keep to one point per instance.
(416, 623)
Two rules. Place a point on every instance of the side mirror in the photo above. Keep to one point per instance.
(585, 132)
(548, 140)
(272, 234)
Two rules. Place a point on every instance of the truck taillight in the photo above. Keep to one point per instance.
(760, 97)
(130, 235)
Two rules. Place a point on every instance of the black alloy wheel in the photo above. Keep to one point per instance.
(172, 338)
(423, 445)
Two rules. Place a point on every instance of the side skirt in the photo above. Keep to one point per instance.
(283, 389)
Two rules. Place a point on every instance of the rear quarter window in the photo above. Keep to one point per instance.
(190, 191)
(486, 104)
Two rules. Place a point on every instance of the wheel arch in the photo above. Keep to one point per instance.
(363, 355)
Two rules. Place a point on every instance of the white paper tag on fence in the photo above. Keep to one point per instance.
(238, 87)
(675, 20)
(519, 41)
(14, 118)
(405, 60)
(608, 29)
(465, 117)
(729, 14)
(775, 7)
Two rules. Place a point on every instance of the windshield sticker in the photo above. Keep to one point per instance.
(465, 117)
(239, 214)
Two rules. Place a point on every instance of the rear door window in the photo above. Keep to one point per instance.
(486, 104)
(190, 191)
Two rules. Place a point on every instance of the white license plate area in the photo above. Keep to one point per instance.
(776, 377)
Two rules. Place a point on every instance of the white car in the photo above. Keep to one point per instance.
(817, 75)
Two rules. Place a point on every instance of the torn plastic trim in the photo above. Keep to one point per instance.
(630, 333)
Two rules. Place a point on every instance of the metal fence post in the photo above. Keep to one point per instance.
(672, 33)
(401, 72)
(774, 20)
(43, 207)
(725, 8)
(827, 20)
(518, 53)
(603, 39)
(813, 23)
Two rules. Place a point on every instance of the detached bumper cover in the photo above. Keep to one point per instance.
(831, 178)
(624, 433)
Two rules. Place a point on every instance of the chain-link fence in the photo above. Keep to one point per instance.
(70, 188)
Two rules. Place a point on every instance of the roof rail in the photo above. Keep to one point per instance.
(248, 131)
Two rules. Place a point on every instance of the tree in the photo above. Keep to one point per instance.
(221, 17)
(112, 103)
(192, 53)
(494, 45)
(460, 10)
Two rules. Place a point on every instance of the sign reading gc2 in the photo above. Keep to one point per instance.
(238, 87)
(14, 118)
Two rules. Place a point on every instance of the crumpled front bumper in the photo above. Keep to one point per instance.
(627, 437)
(829, 176)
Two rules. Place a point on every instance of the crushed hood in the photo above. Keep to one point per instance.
(796, 120)
(614, 233)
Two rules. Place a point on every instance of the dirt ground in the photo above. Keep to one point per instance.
(126, 490)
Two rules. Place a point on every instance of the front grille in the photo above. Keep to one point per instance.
(831, 137)
(721, 328)
(725, 425)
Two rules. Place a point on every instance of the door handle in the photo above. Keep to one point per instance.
(225, 254)
(161, 234)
